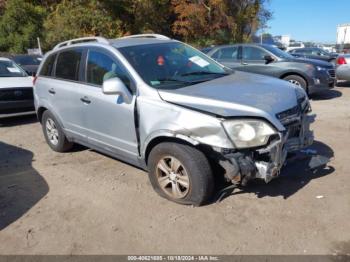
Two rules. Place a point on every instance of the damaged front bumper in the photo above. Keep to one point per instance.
(266, 163)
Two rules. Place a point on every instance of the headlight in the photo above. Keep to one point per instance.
(248, 133)
(319, 68)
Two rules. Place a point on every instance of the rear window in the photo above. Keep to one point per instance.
(46, 70)
(26, 60)
(68, 64)
(10, 69)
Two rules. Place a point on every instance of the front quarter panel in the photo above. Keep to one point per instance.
(159, 118)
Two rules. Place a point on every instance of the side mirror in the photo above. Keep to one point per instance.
(268, 59)
(115, 86)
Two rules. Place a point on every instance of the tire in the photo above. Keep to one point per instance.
(192, 167)
(60, 144)
(297, 80)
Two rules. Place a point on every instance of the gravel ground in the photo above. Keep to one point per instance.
(83, 202)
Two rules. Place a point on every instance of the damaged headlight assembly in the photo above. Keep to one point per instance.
(247, 133)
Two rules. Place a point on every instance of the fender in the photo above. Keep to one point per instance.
(165, 133)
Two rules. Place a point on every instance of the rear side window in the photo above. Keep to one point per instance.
(68, 64)
(227, 53)
(46, 70)
(101, 67)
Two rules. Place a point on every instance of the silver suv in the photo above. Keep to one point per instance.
(163, 106)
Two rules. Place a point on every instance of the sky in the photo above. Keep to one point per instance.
(308, 20)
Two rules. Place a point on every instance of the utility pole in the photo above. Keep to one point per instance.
(39, 46)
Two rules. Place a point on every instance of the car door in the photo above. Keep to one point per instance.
(228, 56)
(65, 91)
(110, 121)
(253, 60)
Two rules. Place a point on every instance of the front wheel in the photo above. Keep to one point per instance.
(297, 80)
(181, 173)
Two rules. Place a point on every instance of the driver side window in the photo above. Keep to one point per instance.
(253, 53)
(101, 67)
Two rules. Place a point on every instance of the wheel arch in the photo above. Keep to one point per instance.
(40, 113)
(295, 74)
(167, 138)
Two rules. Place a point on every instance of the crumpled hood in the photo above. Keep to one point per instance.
(239, 94)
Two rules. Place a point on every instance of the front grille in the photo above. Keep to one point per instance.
(331, 73)
(291, 120)
(16, 94)
(293, 130)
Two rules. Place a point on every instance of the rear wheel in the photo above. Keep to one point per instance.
(53, 133)
(297, 80)
(180, 173)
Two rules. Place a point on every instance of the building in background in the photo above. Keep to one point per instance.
(343, 37)
(283, 39)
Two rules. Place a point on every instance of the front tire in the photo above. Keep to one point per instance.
(297, 80)
(54, 134)
(181, 173)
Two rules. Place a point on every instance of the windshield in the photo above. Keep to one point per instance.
(171, 65)
(10, 69)
(278, 52)
(26, 60)
(322, 52)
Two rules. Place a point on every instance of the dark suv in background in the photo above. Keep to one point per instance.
(314, 53)
(312, 75)
(29, 63)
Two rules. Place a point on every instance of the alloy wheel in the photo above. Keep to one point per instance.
(172, 177)
(295, 82)
(51, 131)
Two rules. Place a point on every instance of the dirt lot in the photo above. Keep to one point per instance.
(86, 203)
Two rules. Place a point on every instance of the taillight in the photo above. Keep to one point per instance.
(341, 61)
(34, 79)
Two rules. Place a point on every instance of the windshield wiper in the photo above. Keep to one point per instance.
(164, 80)
(203, 73)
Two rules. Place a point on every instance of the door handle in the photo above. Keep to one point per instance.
(52, 91)
(85, 100)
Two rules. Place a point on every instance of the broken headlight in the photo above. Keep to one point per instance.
(248, 133)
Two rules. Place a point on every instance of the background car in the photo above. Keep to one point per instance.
(312, 75)
(16, 90)
(343, 67)
(29, 63)
(295, 45)
(314, 53)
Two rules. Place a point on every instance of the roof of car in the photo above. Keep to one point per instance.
(4, 59)
(242, 44)
(123, 42)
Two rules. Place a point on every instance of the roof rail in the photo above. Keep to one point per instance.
(82, 40)
(158, 36)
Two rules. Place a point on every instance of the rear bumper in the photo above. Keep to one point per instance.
(343, 72)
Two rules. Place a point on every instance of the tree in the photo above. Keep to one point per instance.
(20, 25)
(219, 21)
(72, 19)
(154, 16)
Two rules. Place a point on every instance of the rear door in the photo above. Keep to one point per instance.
(110, 121)
(228, 56)
(66, 90)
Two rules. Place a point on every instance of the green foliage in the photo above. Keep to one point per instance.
(199, 22)
(72, 19)
(20, 25)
